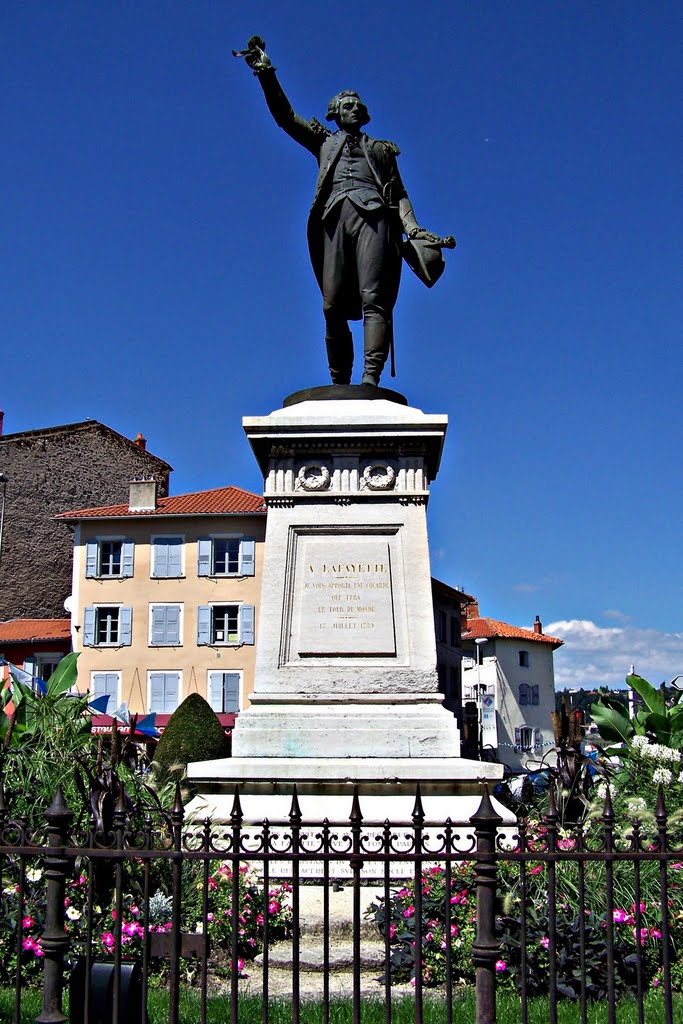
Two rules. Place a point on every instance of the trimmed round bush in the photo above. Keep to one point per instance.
(193, 733)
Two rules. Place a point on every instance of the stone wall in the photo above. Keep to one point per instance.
(49, 471)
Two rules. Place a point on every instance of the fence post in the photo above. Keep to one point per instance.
(485, 947)
(55, 941)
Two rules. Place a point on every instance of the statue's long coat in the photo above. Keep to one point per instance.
(326, 147)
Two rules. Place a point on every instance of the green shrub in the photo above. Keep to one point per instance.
(193, 733)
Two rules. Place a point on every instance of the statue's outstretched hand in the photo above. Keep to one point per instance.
(255, 55)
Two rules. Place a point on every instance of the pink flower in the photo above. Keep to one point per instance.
(643, 935)
(212, 883)
(107, 940)
(260, 919)
(656, 982)
(392, 930)
(27, 922)
(273, 907)
(545, 942)
(114, 915)
(655, 933)
(454, 929)
(501, 965)
(409, 911)
(619, 916)
(537, 870)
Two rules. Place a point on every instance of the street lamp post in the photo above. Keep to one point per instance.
(480, 641)
(3, 482)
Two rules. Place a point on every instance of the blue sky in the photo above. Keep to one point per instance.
(155, 272)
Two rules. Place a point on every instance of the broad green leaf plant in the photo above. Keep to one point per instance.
(646, 749)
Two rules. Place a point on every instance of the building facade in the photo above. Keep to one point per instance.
(43, 473)
(34, 645)
(508, 686)
(448, 605)
(165, 598)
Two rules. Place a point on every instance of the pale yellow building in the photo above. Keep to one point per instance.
(165, 598)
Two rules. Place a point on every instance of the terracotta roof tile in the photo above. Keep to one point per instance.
(18, 630)
(488, 628)
(218, 501)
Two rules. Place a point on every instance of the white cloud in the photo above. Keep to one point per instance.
(596, 655)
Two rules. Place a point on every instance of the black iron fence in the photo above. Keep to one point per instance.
(589, 914)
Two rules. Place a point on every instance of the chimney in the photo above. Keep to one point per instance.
(538, 625)
(143, 496)
(141, 442)
(473, 609)
(2, 417)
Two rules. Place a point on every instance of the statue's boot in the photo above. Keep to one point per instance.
(339, 346)
(377, 339)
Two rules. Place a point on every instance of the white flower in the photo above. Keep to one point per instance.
(662, 775)
(636, 805)
(34, 874)
(639, 742)
(73, 914)
(601, 791)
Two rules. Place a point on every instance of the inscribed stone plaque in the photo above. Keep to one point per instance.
(346, 602)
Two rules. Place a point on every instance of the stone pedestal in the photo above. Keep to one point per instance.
(345, 689)
(346, 656)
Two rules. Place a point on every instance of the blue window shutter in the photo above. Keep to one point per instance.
(518, 739)
(534, 695)
(174, 548)
(231, 687)
(127, 555)
(203, 624)
(89, 627)
(216, 691)
(156, 692)
(125, 625)
(247, 556)
(29, 665)
(247, 624)
(112, 684)
(91, 549)
(204, 556)
(160, 551)
(538, 740)
(159, 624)
(105, 684)
(173, 624)
(523, 694)
(171, 691)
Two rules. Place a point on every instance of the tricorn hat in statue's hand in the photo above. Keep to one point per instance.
(425, 258)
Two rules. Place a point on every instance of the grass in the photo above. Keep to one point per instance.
(403, 1010)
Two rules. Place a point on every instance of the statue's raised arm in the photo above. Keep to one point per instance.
(360, 211)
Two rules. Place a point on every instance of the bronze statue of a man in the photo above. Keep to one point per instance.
(360, 210)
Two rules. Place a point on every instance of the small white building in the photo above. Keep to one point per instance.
(508, 682)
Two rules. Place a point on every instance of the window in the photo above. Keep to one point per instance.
(225, 556)
(538, 741)
(41, 666)
(107, 625)
(164, 691)
(167, 557)
(109, 557)
(528, 694)
(105, 684)
(523, 659)
(164, 625)
(441, 626)
(225, 624)
(224, 691)
(523, 738)
(455, 631)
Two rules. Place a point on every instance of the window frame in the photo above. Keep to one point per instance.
(125, 628)
(93, 565)
(523, 659)
(246, 556)
(240, 690)
(99, 672)
(179, 697)
(153, 541)
(181, 623)
(244, 626)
